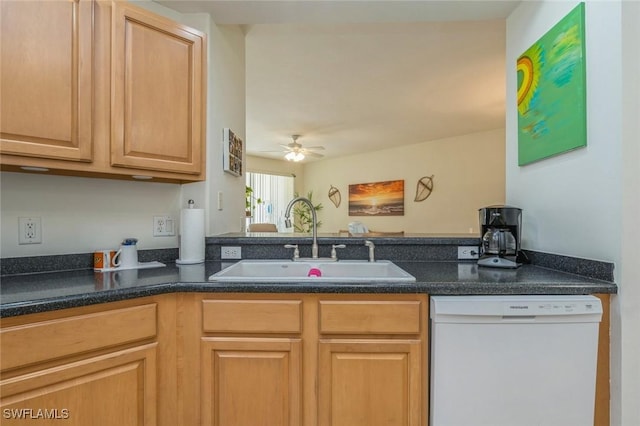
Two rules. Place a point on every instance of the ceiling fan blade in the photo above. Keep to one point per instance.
(319, 148)
(313, 154)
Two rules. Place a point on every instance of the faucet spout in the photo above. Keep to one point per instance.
(314, 219)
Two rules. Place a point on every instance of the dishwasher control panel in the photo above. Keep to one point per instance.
(559, 307)
(496, 308)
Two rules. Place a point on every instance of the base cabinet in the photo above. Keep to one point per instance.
(251, 381)
(370, 383)
(114, 389)
(325, 360)
(229, 360)
(100, 365)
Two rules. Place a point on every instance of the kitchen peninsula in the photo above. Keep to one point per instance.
(164, 342)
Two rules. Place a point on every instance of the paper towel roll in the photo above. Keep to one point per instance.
(191, 236)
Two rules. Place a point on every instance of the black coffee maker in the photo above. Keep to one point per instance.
(500, 228)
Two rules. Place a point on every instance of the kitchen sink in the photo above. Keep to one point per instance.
(342, 271)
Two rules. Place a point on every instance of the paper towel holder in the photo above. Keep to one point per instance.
(192, 237)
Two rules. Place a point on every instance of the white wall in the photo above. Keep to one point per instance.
(627, 325)
(576, 194)
(469, 174)
(226, 108)
(574, 203)
(80, 215)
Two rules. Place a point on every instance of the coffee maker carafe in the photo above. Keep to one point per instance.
(500, 228)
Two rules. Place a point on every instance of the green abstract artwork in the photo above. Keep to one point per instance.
(552, 110)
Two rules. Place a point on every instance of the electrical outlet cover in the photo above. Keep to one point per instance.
(468, 252)
(29, 230)
(231, 252)
(163, 226)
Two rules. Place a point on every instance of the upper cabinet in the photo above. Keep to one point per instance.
(101, 88)
(46, 79)
(157, 92)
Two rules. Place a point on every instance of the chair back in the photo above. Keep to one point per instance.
(263, 227)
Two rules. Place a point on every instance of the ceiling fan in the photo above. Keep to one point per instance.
(294, 151)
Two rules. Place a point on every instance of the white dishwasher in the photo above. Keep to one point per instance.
(513, 360)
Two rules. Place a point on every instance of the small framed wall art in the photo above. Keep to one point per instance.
(377, 198)
(232, 156)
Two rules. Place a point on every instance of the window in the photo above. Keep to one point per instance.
(274, 192)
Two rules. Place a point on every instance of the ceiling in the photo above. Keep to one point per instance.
(356, 76)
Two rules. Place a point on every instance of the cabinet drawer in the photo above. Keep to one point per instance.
(47, 340)
(252, 316)
(370, 317)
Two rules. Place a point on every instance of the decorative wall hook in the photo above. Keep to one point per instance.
(334, 195)
(424, 188)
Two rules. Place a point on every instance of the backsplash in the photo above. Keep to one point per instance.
(69, 262)
(394, 249)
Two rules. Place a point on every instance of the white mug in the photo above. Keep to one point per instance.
(126, 257)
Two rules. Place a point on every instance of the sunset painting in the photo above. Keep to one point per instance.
(377, 198)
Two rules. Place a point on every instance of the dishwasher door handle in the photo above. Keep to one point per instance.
(518, 318)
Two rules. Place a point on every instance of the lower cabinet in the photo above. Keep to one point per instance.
(326, 360)
(370, 383)
(118, 388)
(246, 359)
(251, 381)
(99, 365)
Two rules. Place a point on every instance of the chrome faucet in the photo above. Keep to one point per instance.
(287, 222)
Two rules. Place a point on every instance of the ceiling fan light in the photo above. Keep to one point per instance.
(294, 156)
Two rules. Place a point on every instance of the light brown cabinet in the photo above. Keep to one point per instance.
(230, 359)
(251, 381)
(46, 75)
(251, 367)
(370, 382)
(158, 93)
(313, 360)
(95, 367)
(100, 88)
(372, 363)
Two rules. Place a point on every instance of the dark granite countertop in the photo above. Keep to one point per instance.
(31, 293)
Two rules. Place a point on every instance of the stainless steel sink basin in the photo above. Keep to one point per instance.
(343, 271)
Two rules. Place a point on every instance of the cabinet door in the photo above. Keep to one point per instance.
(251, 381)
(157, 92)
(46, 78)
(370, 383)
(113, 389)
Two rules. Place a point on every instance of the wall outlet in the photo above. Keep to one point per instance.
(29, 230)
(231, 253)
(468, 252)
(164, 226)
